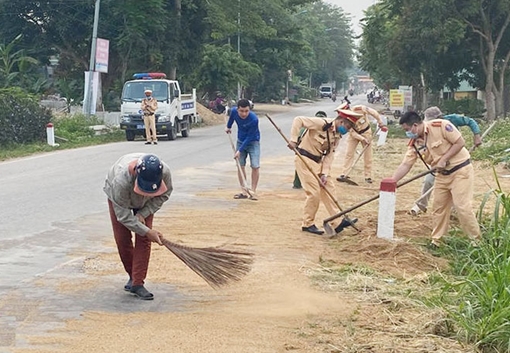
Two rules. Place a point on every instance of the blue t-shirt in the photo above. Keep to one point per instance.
(461, 120)
(247, 129)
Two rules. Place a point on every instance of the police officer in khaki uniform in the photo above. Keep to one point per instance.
(441, 146)
(362, 132)
(317, 147)
(149, 107)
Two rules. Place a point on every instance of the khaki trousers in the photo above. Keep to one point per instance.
(455, 189)
(150, 127)
(315, 194)
(134, 258)
(350, 152)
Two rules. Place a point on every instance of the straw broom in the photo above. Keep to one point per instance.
(217, 266)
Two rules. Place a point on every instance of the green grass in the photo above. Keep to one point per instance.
(476, 292)
(70, 132)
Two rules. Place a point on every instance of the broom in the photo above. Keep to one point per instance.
(218, 267)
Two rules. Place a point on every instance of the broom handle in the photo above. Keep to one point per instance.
(361, 154)
(239, 169)
(306, 164)
(427, 193)
(484, 134)
(417, 176)
(244, 185)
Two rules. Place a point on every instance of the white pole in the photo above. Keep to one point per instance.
(387, 202)
(92, 63)
(50, 135)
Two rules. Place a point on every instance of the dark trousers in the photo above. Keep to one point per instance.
(134, 258)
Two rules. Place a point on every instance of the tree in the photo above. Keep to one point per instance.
(488, 21)
(443, 41)
(13, 63)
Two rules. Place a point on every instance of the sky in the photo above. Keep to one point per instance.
(355, 9)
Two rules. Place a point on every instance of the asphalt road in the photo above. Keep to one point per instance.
(53, 206)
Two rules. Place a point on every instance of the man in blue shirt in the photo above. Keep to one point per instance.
(457, 120)
(248, 142)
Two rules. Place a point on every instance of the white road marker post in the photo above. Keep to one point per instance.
(50, 135)
(387, 202)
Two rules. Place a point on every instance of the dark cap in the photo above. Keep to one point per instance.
(149, 179)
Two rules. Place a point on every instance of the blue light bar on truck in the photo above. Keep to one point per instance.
(148, 75)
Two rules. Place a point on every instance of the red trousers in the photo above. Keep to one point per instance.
(134, 258)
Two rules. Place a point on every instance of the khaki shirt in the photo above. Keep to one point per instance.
(440, 135)
(119, 185)
(315, 141)
(149, 106)
(364, 121)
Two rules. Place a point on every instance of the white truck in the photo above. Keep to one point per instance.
(326, 89)
(176, 111)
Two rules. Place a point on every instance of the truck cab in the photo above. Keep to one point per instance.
(176, 111)
(326, 91)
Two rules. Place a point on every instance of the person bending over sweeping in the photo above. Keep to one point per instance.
(137, 185)
(317, 147)
(439, 144)
(432, 113)
(361, 133)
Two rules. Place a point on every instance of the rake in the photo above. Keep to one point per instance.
(328, 228)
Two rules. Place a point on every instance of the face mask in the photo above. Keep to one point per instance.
(342, 130)
(411, 135)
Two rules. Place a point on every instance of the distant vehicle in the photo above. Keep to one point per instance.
(176, 111)
(326, 90)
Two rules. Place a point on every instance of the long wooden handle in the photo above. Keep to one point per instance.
(304, 161)
(362, 203)
(484, 134)
(361, 153)
(244, 182)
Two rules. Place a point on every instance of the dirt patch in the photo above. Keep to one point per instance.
(292, 300)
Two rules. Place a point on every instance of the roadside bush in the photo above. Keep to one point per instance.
(473, 108)
(22, 119)
(495, 145)
(75, 127)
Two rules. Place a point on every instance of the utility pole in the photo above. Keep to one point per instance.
(89, 88)
(239, 43)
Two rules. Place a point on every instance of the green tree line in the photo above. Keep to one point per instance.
(431, 44)
(210, 45)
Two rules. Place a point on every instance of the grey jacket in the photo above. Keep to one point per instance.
(119, 185)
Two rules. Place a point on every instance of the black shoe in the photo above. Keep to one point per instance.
(127, 286)
(312, 229)
(155, 143)
(345, 223)
(148, 143)
(342, 178)
(368, 180)
(142, 293)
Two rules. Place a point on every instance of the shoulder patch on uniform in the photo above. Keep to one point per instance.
(437, 123)
(449, 127)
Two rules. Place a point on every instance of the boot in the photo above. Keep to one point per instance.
(346, 222)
